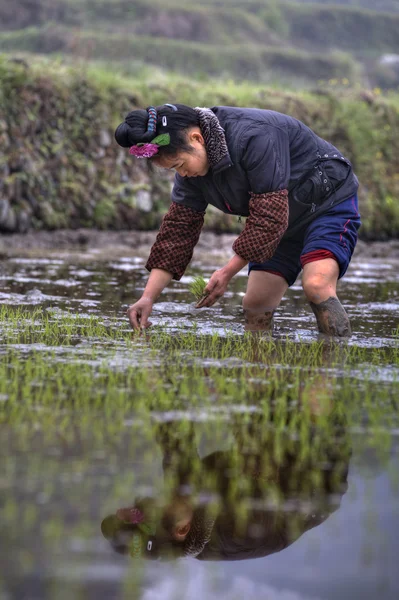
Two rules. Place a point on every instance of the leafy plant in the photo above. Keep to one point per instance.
(197, 287)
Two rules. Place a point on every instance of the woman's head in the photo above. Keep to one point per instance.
(186, 150)
(148, 530)
(177, 517)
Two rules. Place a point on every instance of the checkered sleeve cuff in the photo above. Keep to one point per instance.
(265, 226)
(175, 242)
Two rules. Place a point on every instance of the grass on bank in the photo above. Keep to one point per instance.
(77, 103)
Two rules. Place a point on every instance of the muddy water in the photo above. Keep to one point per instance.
(336, 533)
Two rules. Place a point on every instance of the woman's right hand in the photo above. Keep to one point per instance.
(139, 312)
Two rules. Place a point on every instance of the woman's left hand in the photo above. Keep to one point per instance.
(217, 285)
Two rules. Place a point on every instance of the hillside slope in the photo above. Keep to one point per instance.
(279, 40)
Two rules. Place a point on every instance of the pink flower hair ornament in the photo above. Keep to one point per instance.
(132, 515)
(150, 149)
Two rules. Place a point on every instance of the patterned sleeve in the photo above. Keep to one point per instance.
(265, 226)
(175, 242)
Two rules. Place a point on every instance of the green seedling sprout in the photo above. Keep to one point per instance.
(197, 288)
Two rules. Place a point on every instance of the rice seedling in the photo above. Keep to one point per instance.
(197, 288)
(83, 400)
(47, 373)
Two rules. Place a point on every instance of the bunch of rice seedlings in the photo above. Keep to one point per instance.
(197, 287)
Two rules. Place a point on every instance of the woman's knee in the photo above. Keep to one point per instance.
(318, 287)
(264, 292)
(255, 303)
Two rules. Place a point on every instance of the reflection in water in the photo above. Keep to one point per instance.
(77, 444)
(276, 481)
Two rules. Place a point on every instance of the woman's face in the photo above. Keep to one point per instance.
(188, 164)
(177, 517)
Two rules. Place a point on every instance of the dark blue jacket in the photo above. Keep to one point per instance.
(270, 151)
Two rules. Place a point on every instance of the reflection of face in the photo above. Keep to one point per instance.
(177, 518)
(188, 164)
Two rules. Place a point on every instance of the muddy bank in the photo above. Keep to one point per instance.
(61, 168)
(140, 242)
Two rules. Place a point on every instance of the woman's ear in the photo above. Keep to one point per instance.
(180, 532)
(196, 136)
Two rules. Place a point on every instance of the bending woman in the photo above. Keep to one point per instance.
(298, 192)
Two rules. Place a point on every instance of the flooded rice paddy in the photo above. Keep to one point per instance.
(196, 461)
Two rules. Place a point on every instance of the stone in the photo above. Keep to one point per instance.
(4, 208)
(8, 219)
(120, 157)
(4, 170)
(24, 221)
(105, 138)
(4, 141)
(100, 153)
(143, 200)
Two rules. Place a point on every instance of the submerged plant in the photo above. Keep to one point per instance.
(197, 287)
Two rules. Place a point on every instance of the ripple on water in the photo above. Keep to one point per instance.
(21, 279)
(379, 307)
(36, 261)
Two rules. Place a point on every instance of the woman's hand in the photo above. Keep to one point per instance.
(139, 312)
(217, 285)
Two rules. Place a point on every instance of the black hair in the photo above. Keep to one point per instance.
(119, 536)
(134, 128)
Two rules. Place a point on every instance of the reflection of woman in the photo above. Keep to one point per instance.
(297, 190)
(250, 501)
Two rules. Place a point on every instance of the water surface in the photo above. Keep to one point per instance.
(289, 461)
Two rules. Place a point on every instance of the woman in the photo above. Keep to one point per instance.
(297, 190)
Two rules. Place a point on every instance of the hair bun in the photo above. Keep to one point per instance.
(122, 135)
(134, 129)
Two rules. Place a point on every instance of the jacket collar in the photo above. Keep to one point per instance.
(224, 163)
(215, 140)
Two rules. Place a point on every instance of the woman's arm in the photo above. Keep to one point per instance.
(169, 257)
(175, 242)
(265, 226)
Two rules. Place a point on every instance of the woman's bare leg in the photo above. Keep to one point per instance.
(319, 282)
(263, 295)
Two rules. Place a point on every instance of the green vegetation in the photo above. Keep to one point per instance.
(325, 27)
(345, 28)
(58, 163)
(197, 287)
(61, 168)
(185, 371)
(255, 39)
(243, 60)
(382, 5)
(88, 411)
